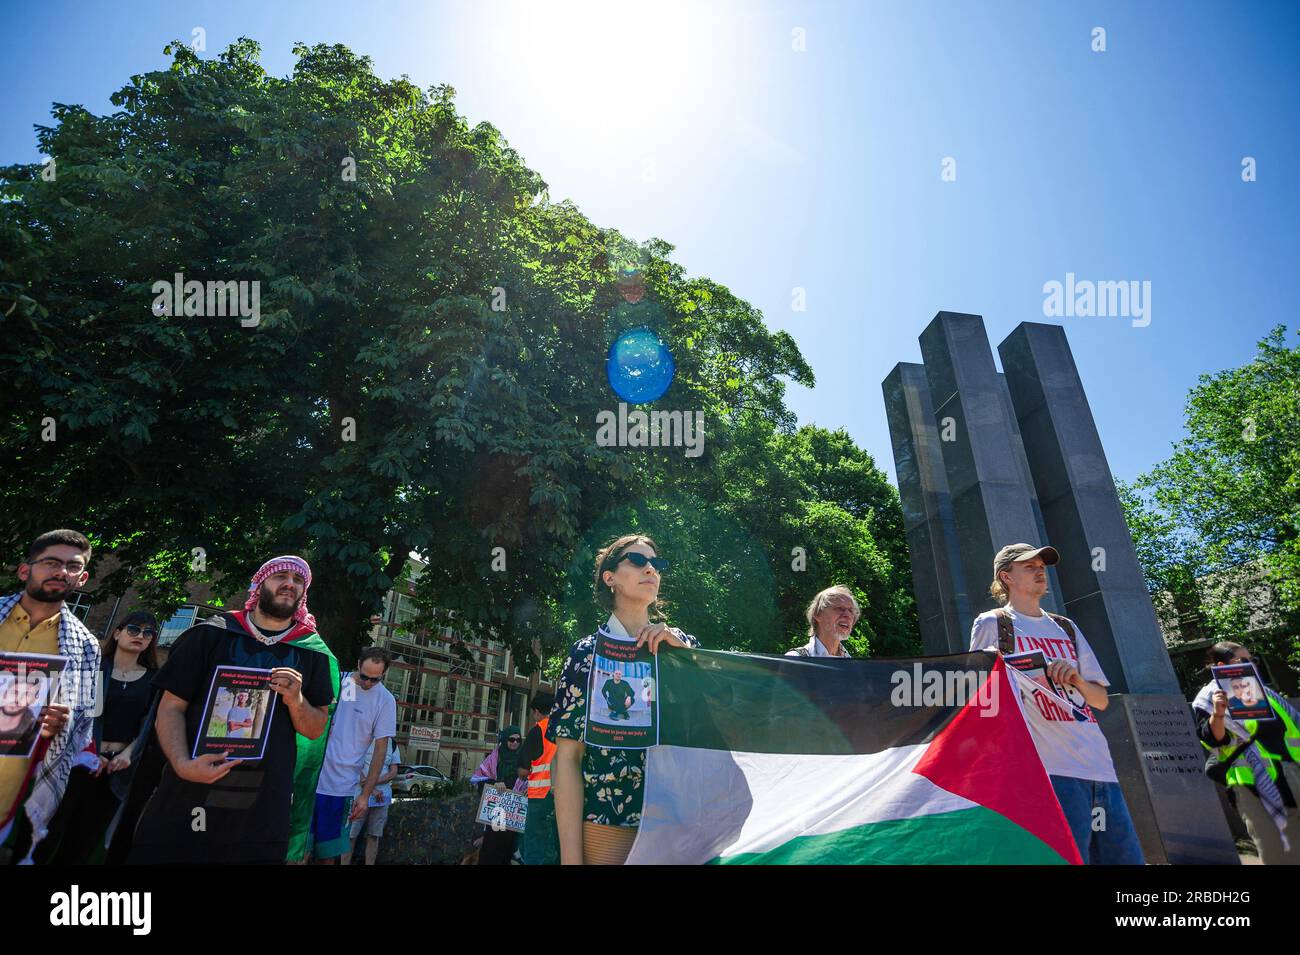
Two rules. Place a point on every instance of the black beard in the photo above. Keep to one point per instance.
(38, 592)
(274, 606)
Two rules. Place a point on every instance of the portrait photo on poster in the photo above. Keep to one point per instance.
(622, 696)
(237, 714)
(1245, 690)
(28, 683)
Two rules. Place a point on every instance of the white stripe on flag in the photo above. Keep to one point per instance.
(704, 803)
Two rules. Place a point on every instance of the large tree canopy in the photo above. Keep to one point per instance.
(425, 375)
(1218, 523)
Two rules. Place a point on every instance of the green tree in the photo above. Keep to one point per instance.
(423, 376)
(1221, 517)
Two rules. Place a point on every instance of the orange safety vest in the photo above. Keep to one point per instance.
(539, 779)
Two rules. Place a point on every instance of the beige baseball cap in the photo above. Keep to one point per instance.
(1014, 553)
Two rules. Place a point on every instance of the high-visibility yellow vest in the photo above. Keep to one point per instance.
(539, 777)
(1240, 773)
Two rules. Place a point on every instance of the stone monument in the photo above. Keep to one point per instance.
(985, 459)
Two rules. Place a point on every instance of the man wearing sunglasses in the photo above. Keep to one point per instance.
(364, 721)
(36, 621)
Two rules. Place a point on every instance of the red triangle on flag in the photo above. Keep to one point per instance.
(985, 754)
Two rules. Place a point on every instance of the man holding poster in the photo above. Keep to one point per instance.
(219, 804)
(36, 626)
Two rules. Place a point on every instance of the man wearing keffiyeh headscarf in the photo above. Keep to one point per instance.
(252, 811)
(283, 597)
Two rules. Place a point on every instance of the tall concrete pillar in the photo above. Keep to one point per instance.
(1100, 575)
(984, 460)
(937, 580)
(1027, 477)
(1148, 723)
(993, 501)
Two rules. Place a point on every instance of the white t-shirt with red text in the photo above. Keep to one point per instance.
(1069, 741)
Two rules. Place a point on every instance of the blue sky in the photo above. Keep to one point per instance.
(772, 168)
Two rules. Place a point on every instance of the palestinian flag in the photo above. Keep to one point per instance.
(806, 760)
(311, 754)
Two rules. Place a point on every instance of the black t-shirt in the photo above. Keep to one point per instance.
(1269, 732)
(246, 813)
(531, 749)
(618, 694)
(125, 708)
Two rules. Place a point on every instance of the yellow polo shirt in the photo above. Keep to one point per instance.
(17, 635)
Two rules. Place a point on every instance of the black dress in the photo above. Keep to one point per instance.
(77, 831)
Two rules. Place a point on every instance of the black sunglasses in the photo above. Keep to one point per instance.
(135, 630)
(368, 679)
(640, 560)
(513, 739)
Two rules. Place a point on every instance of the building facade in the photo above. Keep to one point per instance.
(453, 694)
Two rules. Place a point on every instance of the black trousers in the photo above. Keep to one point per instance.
(76, 833)
(497, 847)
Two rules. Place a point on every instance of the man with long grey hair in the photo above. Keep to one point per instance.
(831, 617)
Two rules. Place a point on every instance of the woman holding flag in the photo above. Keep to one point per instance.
(598, 791)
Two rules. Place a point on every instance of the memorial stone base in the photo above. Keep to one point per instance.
(1159, 761)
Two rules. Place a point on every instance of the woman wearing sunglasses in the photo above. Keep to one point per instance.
(599, 792)
(501, 769)
(101, 780)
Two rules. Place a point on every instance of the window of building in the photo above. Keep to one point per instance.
(80, 604)
(431, 689)
(182, 620)
(397, 680)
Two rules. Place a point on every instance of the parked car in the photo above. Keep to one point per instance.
(413, 779)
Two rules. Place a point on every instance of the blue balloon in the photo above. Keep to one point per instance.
(640, 367)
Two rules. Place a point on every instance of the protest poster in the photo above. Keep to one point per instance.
(502, 810)
(1054, 700)
(1032, 664)
(622, 703)
(1245, 689)
(28, 683)
(237, 715)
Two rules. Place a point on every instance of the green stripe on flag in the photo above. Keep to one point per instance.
(976, 836)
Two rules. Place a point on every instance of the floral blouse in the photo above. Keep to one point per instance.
(612, 779)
